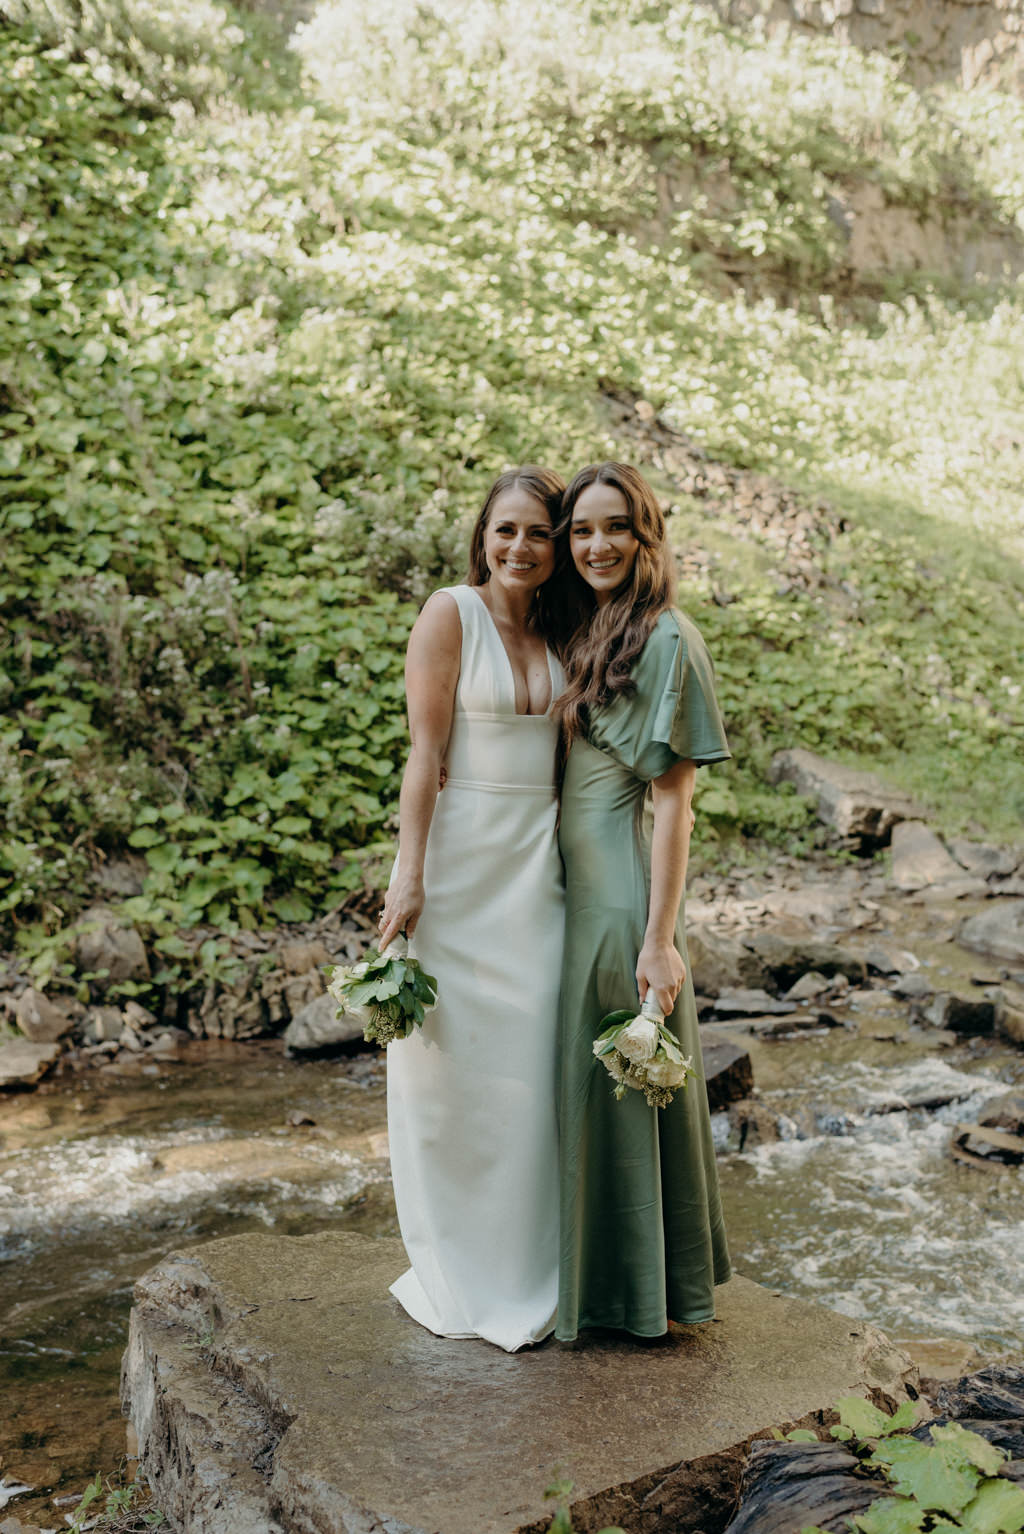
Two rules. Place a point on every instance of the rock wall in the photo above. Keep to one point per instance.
(970, 41)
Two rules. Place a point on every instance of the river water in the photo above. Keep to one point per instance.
(860, 1209)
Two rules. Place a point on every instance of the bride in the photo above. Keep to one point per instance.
(478, 885)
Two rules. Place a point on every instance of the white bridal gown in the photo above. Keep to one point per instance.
(471, 1095)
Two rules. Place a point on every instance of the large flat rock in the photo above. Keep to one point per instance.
(277, 1388)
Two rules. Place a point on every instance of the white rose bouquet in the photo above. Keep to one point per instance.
(389, 992)
(639, 1051)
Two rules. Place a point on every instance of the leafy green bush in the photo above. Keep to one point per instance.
(264, 347)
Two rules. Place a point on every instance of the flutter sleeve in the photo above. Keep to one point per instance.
(673, 715)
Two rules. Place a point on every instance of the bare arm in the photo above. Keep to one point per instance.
(431, 677)
(660, 967)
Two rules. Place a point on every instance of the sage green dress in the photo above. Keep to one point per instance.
(642, 1237)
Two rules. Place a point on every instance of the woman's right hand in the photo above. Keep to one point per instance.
(403, 906)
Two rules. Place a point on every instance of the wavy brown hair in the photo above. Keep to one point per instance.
(549, 610)
(605, 641)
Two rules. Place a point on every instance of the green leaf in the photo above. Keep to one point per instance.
(293, 907)
(891, 1515)
(863, 1419)
(844, 1434)
(802, 1435)
(976, 1450)
(998, 1508)
(938, 1475)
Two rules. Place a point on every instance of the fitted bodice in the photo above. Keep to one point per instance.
(490, 745)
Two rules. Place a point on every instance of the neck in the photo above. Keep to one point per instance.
(511, 607)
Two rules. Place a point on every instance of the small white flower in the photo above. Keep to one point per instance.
(398, 949)
(638, 1041)
(359, 970)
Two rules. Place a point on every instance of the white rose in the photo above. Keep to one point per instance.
(397, 949)
(666, 1073)
(638, 1041)
(359, 970)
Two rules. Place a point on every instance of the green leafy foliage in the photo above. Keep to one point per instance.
(267, 339)
(946, 1483)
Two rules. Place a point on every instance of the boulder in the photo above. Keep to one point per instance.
(22, 1062)
(1006, 1113)
(300, 957)
(998, 931)
(718, 963)
(274, 1383)
(812, 983)
(959, 1014)
(983, 861)
(860, 808)
(40, 1019)
(104, 943)
(104, 1025)
(786, 959)
(318, 1027)
(912, 986)
(1009, 1020)
(919, 858)
(727, 1071)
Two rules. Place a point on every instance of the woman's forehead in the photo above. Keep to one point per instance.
(599, 500)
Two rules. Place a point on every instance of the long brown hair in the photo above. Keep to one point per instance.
(548, 610)
(605, 641)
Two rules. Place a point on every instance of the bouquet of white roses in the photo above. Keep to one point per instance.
(389, 992)
(640, 1052)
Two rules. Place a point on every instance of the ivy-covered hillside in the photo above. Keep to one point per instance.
(278, 299)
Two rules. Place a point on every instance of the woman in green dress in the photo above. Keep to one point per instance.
(642, 1236)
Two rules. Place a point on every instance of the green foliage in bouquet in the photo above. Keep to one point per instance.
(389, 991)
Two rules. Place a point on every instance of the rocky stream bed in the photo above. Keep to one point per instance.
(867, 1019)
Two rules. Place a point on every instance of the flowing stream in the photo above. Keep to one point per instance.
(858, 1205)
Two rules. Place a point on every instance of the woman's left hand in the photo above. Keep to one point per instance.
(660, 969)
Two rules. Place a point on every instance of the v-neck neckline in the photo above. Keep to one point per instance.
(511, 669)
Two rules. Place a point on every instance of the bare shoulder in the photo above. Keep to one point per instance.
(437, 632)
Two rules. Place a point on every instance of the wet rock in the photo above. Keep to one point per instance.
(105, 943)
(718, 963)
(983, 861)
(22, 1062)
(959, 1014)
(787, 1486)
(998, 931)
(167, 1045)
(919, 857)
(139, 1016)
(810, 984)
(318, 1027)
(103, 1024)
(269, 1422)
(1006, 1113)
(300, 990)
(300, 957)
(912, 986)
(890, 961)
(792, 1022)
(727, 1071)
(42, 1020)
(860, 808)
(1009, 1020)
(753, 1123)
(996, 1393)
(748, 1003)
(786, 959)
(963, 888)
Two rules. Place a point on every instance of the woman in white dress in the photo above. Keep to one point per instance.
(478, 887)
